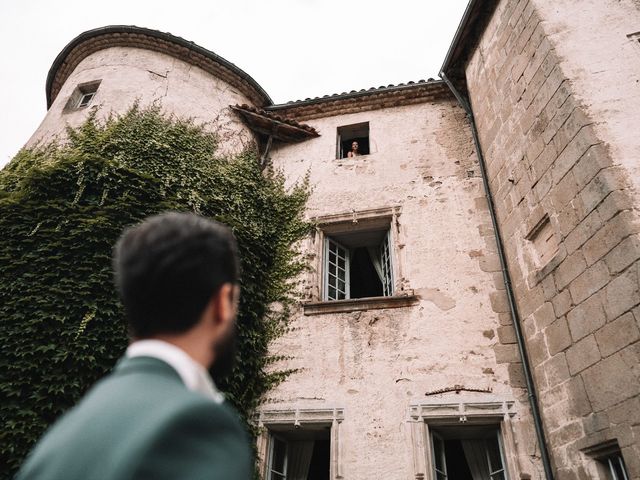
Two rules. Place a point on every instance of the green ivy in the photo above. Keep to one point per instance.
(62, 207)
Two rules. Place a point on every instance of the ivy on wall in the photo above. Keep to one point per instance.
(62, 207)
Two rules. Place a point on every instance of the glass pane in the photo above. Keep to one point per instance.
(341, 262)
(493, 452)
(617, 468)
(332, 281)
(277, 476)
(332, 293)
(341, 274)
(438, 448)
(441, 476)
(278, 455)
(498, 476)
(342, 286)
(332, 256)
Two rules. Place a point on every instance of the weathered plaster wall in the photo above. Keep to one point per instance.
(554, 92)
(376, 363)
(133, 74)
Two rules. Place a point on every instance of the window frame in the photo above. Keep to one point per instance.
(77, 98)
(272, 444)
(489, 411)
(604, 454)
(372, 219)
(351, 132)
(270, 422)
(386, 262)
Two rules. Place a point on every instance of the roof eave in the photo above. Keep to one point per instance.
(132, 29)
(463, 41)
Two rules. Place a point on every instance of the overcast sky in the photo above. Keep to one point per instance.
(293, 48)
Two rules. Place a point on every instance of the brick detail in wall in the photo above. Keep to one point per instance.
(579, 309)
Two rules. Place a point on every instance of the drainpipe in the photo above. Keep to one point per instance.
(265, 155)
(515, 317)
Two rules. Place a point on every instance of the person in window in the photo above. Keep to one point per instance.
(354, 150)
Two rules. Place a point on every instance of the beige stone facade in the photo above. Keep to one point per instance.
(553, 87)
(410, 381)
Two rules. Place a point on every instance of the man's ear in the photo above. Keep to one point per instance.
(224, 308)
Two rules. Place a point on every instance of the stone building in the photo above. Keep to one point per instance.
(471, 307)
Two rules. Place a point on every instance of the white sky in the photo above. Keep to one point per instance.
(293, 48)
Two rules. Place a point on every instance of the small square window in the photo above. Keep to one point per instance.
(353, 140)
(82, 96)
(358, 264)
(85, 100)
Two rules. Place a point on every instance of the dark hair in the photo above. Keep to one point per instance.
(169, 267)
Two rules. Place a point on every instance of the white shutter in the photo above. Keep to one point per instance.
(387, 269)
(336, 268)
(439, 459)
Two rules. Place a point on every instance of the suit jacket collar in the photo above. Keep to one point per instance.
(145, 364)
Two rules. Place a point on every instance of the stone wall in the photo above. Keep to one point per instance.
(552, 96)
(375, 364)
(133, 74)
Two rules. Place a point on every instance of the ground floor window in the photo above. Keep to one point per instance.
(467, 453)
(299, 455)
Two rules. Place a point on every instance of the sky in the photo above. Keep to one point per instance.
(293, 48)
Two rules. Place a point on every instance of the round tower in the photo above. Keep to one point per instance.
(113, 67)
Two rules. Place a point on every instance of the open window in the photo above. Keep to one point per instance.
(83, 95)
(467, 453)
(358, 264)
(353, 136)
(300, 444)
(299, 454)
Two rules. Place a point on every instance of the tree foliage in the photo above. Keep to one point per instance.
(62, 207)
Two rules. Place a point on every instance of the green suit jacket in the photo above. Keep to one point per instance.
(141, 422)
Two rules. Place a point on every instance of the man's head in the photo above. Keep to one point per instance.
(177, 273)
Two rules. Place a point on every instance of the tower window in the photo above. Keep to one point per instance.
(82, 96)
(353, 140)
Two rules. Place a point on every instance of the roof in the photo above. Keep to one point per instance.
(362, 100)
(131, 36)
(474, 20)
(280, 128)
(338, 103)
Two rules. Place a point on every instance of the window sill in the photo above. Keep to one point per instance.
(355, 304)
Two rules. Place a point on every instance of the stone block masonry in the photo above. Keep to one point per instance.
(548, 155)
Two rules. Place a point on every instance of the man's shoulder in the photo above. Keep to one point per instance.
(133, 419)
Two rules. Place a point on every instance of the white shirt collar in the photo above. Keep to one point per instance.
(193, 375)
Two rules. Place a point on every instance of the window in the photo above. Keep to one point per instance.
(300, 444)
(299, 454)
(83, 95)
(358, 264)
(466, 453)
(463, 436)
(349, 135)
(609, 460)
(616, 469)
(86, 99)
(544, 242)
